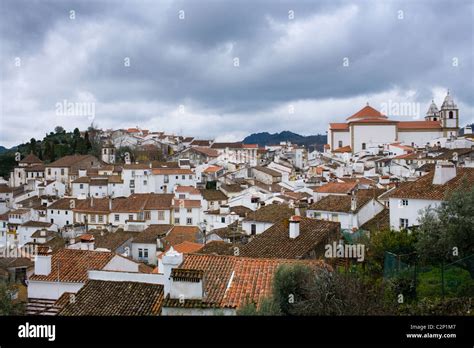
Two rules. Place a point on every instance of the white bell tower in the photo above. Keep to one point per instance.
(449, 114)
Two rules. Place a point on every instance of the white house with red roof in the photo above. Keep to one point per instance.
(369, 128)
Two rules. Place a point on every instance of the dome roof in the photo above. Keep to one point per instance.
(433, 109)
(448, 102)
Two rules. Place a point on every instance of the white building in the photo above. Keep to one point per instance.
(369, 128)
(407, 201)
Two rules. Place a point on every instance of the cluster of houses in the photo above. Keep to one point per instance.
(203, 232)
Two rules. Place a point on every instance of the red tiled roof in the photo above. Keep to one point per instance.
(232, 281)
(339, 126)
(367, 112)
(171, 171)
(69, 265)
(336, 187)
(423, 188)
(343, 149)
(404, 125)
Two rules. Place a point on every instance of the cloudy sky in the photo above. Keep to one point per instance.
(226, 69)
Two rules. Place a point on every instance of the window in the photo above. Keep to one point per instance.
(49, 171)
(435, 119)
(404, 202)
(176, 221)
(183, 177)
(403, 223)
(340, 143)
(317, 215)
(145, 253)
(167, 179)
(144, 183)
(132, 183)
(190, 177)
(52, 212)
(189, 210)
(130, 217)
(189, 221)
(65, 213)
(176, 210)
(363, 146)
(253, 229)
(177, 177)
(92, 218)
(161, 215)
(62, 171)
(117, 217)
(182, 196)
(67, 222)
(140, 253)
(52, 221)
(450, 114)
(223, 220)
(335, 217)
(147, 215)
(101, 218)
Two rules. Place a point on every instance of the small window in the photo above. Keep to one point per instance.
(363, 146)
(92, 218)
(189, 210)
(145, 182)
(182, 196)
(176, 221)
(253, 229)
(340, 143)
(223, 220)
(130, 217)
(117, 217)
(101, 218)
(176, 210)
(145, 253)
(183, 177)
(62, 171)
(189, 221)
(190, 177)
(450, 114)
(403, 223)
(147, 215)
(404, 202)
(161, 215)
(140, 253)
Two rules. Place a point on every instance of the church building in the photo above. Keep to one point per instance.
(369, 128)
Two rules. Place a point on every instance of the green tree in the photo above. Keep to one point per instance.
(446, 233)
(7, 305)
(289, 284)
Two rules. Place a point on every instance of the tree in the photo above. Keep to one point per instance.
(7, 305)
(289, 284)
(267, 307)
(59, 130)
(380, 242)
(446, 233)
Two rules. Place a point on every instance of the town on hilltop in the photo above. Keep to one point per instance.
(147, 223)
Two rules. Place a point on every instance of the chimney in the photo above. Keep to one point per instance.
(297, 210)
(87, 242)
(224, 209)
(110, 204)
(294, 228)
(92, 202)
(43, 261)
(171, 259)
(353, 202)
(444, 171)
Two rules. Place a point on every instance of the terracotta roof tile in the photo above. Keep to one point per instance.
(112, 298)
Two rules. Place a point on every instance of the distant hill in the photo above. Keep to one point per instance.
(266, 138)
(3, 149)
